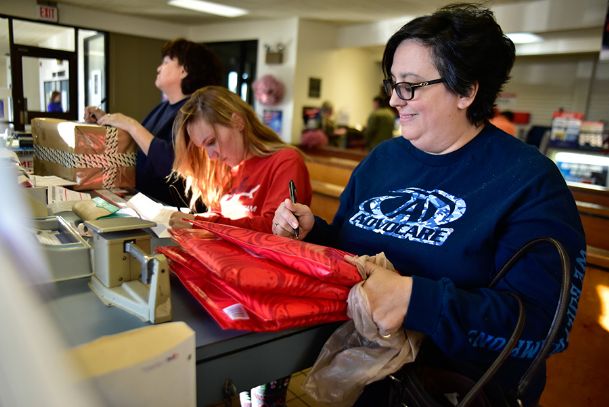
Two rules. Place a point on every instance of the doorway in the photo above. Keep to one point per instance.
(37, 75)
(95, 70)
(50, 71)
(239, 59)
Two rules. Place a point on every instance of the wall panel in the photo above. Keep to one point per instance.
(133, 62)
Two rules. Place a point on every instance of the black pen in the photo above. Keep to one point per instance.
(292, 188)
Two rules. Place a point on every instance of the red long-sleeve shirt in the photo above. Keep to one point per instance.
(259, 186)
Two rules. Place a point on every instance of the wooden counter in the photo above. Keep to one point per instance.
(591, 195)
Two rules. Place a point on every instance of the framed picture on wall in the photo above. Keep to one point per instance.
(314, 87)
(273, 119)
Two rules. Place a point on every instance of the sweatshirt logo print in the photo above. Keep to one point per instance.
(412, 213)
(239, 205)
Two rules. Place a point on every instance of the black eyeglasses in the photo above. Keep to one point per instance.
(405, 90)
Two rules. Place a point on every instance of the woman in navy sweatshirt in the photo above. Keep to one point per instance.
(450, 202)
(186, 67)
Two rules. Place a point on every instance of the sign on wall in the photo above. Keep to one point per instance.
(48, 13)
(506, 100)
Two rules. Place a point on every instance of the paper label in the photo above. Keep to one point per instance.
(236, 311)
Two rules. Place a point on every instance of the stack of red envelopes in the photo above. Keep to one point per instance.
(260, 282)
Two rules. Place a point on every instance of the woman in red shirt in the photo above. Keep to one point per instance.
(238, 167)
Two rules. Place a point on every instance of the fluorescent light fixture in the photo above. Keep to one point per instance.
(524, 38)
(208, 7)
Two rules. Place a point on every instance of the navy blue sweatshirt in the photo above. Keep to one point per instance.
(152, 169)
(451, 221)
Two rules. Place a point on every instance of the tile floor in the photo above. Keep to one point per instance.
(296, 396)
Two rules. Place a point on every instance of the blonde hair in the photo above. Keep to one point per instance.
(210, 179)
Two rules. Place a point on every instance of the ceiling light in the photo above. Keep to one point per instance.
(208, 7)
(524, 38)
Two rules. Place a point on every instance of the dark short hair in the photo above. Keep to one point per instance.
(202, 65)
(467, 47)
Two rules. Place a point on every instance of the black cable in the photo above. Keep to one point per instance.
(178, 198)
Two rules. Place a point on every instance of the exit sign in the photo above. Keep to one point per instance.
(48, 13)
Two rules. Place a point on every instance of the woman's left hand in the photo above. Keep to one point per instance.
(177, 220)
(139, 133)
(388, 294)
(120, 121)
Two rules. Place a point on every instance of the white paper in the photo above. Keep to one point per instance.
(61, 194)
(153, 211)
(61, 206)
(49, 180)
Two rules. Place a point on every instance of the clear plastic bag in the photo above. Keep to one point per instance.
(355, 354)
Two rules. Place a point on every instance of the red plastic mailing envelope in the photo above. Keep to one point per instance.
(226, 310)
(244, 271)
(325, 263)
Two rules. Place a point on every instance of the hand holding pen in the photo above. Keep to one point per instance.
(94, 113)
(292, 217)
(292, 188)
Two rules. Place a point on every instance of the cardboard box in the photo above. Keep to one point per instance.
(95, 157)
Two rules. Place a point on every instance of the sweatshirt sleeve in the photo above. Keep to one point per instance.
(160, 156)
(476, 323)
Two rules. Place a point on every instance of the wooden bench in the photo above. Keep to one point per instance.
(329, 176)
(356, 155)
(330, 169)
(596, 257)
(592, 194)
(325, 199)
(595, 219)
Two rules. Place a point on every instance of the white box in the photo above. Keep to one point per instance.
(145, 367)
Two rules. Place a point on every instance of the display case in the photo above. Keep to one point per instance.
(581, 167)
(586, 173)
(580, 149)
